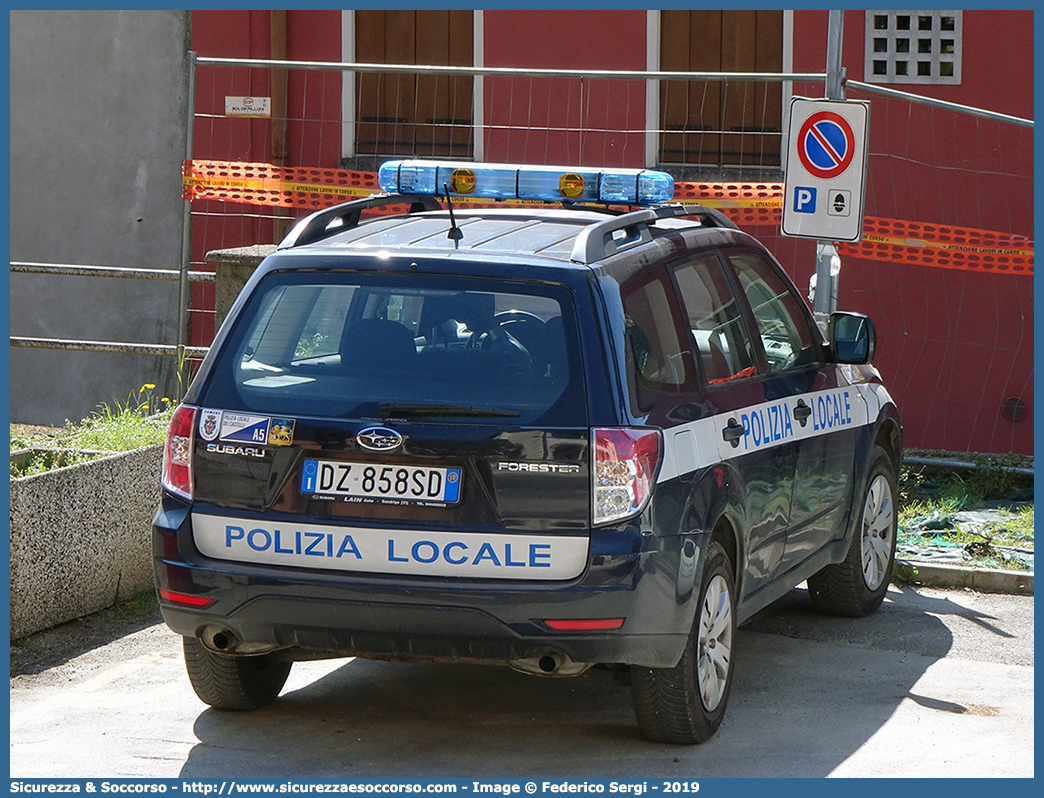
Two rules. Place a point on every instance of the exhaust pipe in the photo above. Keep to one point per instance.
(549, 662)
(220, 640)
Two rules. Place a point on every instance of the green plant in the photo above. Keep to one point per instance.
(183, 375)
(142, 605)
(39, 460)
(932, 499)
(1019, 524)
(993, 477)
(310, 345)
(904, 573)
(139, 421)
(139, 403)
(120, 427)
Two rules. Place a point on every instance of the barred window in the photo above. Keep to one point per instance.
(913, 47)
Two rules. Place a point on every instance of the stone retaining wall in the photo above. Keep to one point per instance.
(81, 538)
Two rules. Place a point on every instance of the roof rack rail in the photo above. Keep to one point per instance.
(597, 241)
(324, 223)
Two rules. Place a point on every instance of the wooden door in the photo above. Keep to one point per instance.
(410, 115)
(713, 123)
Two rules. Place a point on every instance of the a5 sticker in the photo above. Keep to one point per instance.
(244, 428)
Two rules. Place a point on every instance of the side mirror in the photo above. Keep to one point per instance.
(852, 338)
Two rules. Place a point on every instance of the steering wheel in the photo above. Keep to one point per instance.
(515, 354)
(510, 321)
(522, 316)
(523, 326)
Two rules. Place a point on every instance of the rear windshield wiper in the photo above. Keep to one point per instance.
(430, 410)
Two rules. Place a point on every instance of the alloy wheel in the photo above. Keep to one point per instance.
(878, 532)
(715, 643)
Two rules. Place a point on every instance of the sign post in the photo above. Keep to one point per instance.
(825, 176)
(825, 184)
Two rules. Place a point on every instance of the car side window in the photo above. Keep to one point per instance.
(713, 316)
(783, 327)
(657, 357)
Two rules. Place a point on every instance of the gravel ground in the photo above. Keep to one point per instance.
(53, 647)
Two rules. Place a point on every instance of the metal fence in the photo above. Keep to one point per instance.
(339, 121)
(179, 350)
(933, 253)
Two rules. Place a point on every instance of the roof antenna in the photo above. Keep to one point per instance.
(455, 234)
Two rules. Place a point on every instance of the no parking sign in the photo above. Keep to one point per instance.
(825, 175)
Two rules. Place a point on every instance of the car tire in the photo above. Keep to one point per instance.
(233, 683)
(856, 587)
(685, 704)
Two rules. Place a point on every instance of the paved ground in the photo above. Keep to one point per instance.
(938, 683)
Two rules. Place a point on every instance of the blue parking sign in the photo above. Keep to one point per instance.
(804, 199)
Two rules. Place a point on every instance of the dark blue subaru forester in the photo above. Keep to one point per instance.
(471, 429)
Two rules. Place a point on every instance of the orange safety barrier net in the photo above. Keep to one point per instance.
(747, 204)
(944, 246)
(309, 188)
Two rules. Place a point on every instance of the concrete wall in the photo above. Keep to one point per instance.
(81, 538)
(98, 131)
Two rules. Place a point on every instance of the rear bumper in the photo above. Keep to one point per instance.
(639, 578)
(306, 629)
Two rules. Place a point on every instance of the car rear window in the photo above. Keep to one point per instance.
(365, 345)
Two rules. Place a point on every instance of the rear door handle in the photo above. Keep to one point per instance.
(802, 412)
(732, 433)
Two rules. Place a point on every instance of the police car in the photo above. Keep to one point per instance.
(444, 423)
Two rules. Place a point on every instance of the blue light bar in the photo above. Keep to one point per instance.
(543, 183)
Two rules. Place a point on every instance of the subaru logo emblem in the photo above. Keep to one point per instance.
(379, 439)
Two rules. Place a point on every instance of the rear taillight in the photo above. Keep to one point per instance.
(585, 624)
(177, 453)
(185, 598)
(626, 461)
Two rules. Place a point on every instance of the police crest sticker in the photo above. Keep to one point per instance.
(209, 424)
(281, 432)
